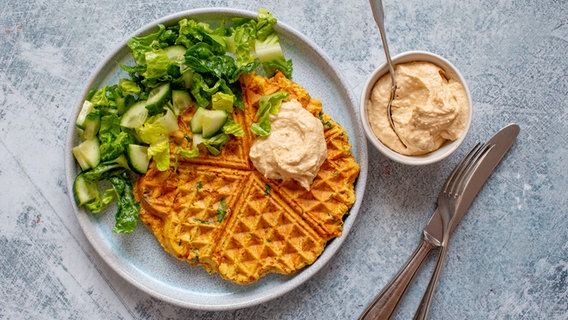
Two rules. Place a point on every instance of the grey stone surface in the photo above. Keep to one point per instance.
(508, 259)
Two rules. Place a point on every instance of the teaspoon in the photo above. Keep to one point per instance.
(379, 16)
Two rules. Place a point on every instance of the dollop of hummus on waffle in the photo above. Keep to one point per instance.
(295, 149)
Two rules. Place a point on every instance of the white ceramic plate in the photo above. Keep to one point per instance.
(138, 257)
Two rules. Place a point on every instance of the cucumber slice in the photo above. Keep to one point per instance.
(175, 53)
(87, 153)
(196, 122)
(91, 126)
(135, 116)
(158, 96)
(208, 122)
(85, 110)
(181, 100)
(137, 157)
(84, 191)
(213, 121)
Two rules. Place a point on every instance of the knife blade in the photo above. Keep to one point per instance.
(385, 303)
(501, 142)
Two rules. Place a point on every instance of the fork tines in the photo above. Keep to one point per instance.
(462, 172)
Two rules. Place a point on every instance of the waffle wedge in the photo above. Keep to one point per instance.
(219, 212)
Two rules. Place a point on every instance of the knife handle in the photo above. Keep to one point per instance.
(385, 303)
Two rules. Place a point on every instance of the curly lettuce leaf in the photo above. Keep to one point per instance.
(129, 86)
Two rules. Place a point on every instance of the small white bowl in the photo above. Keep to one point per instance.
(434, 156)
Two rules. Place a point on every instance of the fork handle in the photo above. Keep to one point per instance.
(424, 306)
(385, 303)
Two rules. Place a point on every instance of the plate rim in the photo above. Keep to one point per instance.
(297, 279)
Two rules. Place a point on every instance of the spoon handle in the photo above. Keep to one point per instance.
(379, 16)
(378, 11)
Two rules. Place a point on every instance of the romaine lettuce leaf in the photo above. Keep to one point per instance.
(102, 171)
(127, 208)
(139, 46)
(215, 143)
(192, 32)
(231, 127)
(129, 86)
(160, 151)
(109, 100)
(93, 177)
(202, 91)
(267, 105)
(256, 39)
(157, 68)
(100, 97)
(243, 36)
(157, 128)
(186, 153)
(222, 101)
(265, 24)
(113, 140)
(99, 202)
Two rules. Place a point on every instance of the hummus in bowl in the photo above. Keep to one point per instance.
(432, 109)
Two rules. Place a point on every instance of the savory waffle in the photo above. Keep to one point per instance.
(221, 213)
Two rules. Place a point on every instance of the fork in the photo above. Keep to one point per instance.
(448, 201)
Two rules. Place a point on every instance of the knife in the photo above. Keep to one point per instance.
(385, 303)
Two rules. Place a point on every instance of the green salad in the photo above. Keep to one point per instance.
(125, 125)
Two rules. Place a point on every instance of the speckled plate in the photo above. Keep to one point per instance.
(138, 257)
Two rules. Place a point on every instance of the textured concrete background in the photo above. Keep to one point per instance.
(508, 259)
